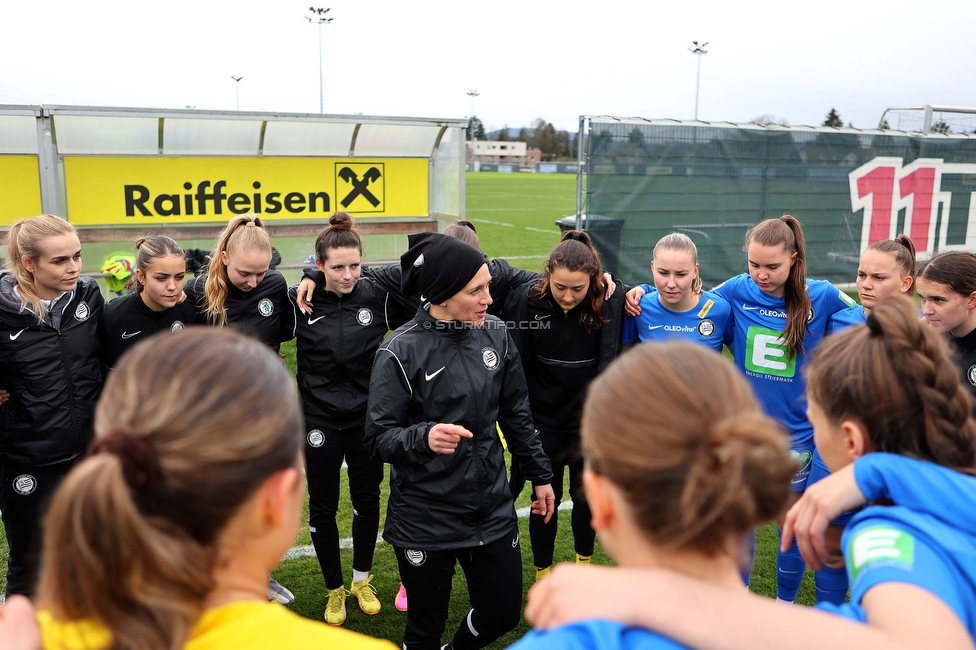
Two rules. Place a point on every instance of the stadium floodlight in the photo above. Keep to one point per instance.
(698, 51)
(318, 18)
(472, 94)
(237, 90)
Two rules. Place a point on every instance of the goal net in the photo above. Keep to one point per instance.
(929, 119)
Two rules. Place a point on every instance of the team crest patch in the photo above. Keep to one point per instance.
(82, 312)
(265, 307)
(418, 263)
(176, 326)
(812, 314)
(364, 316)
(706, 328)
(972, 375)
(316, 438)
(25, 484)
(490, 357)
(415, 558)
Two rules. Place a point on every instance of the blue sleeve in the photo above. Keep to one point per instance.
(647, 288)
(630, 330)
(880, 551)
(841, 320)
(920, 486)
(595, 635)
(837, 300)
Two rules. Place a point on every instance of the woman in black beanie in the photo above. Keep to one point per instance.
(438, 386)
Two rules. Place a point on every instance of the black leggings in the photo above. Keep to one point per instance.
(494, 576)
(24, 496)
(325, 449)
(563, 451)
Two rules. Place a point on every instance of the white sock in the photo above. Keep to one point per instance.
(780, 600)
(359, 576)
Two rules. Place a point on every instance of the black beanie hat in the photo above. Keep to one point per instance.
(437, 266)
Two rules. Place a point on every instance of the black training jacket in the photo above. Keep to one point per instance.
(430, 372)
(128, 320)
(264, 312)
(53, 374)
(336, 345)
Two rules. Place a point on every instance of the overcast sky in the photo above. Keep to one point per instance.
(527, 58)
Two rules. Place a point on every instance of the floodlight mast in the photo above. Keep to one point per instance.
(237, 90)
(472, 94)
(318, 18)
(698, 51)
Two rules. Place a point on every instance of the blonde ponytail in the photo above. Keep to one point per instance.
(24, 240)
(243, 232)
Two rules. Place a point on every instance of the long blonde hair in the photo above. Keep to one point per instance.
(24, 240)
(189, 426)
(243, 232)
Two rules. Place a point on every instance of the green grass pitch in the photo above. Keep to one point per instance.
(514, 215)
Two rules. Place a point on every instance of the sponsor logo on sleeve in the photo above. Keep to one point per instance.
(880, 545)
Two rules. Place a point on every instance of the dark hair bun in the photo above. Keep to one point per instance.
(341, 221)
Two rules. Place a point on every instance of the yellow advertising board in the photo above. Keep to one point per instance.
(126, 191)
(20, 187)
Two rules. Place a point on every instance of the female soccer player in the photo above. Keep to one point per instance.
(676, 307)
(578, 335)
(50, 369)
(163, 537)
(239, 291)
(159, 278)
(886, 267)
(438, 386)
(336, 344)
(681, 463)
(913, 575)
(947, 286)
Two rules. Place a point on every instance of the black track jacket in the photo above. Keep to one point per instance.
(128, 320)
(336, 345)
(52, 372)
(263, 312)
(428, 372)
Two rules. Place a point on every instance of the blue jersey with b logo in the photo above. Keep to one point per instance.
(706, 323)
(760, 351)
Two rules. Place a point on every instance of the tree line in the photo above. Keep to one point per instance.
(542, 135)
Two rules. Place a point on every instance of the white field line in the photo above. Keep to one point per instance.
(495, 223)
(309, 551)
(545, 230)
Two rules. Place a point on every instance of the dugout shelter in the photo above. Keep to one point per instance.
(640, 179)
(117, 173)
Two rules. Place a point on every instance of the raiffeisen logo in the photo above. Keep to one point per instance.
(214, 197)
(935, 197)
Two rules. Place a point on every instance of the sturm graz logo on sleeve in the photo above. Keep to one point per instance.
(361, 187)
(490, 358)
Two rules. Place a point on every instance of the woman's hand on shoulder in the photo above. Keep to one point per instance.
(304, 297)
(574, 592)
(632, 301)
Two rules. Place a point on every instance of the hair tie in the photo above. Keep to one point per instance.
(874, 325)
(140, 463)
(248, 223)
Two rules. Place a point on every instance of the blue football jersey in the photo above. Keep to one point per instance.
(706, 323)
(841, 320)
(595, 635)
(761, 352)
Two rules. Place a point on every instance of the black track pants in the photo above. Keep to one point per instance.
(494, 577)
(24, 497)
(325, 449)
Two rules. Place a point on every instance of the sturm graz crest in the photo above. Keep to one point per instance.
(176, 326)
(490, 357)
(316, 438)
(706, 328)
(971, 375)
(415, 558)
(25, 484)
(82, 312)
(265, 307)
(364, 316)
